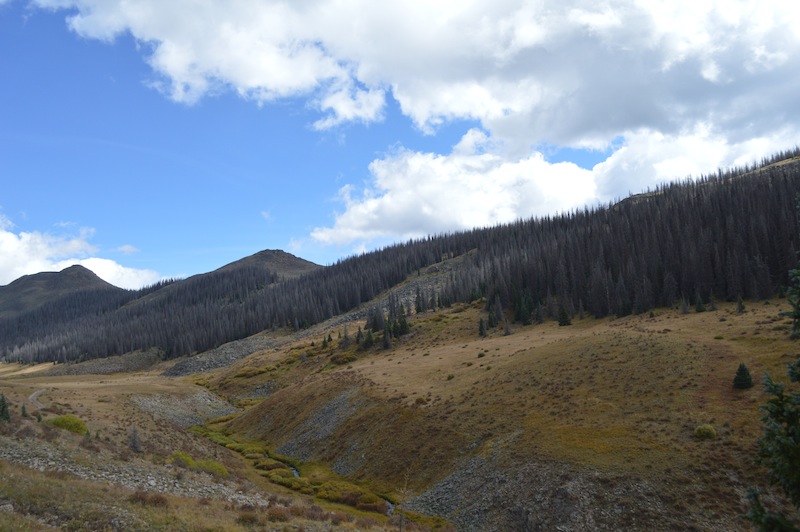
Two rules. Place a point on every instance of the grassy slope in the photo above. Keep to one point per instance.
(615, 398)
(34, 500)
(618, 397)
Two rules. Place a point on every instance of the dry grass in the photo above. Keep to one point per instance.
(621, 396)
(618, 396)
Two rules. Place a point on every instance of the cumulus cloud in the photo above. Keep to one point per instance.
(413, 194)
(686, 86)
(24, 253)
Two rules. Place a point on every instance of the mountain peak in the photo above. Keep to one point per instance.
(32, 291)
(278, 261)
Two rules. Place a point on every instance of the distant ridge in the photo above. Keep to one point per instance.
(71, 313)
(29, 292)
(716, 238)
(286, 265)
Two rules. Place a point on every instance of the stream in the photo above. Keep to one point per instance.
(389, 505)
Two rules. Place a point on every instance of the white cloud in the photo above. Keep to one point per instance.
(687, 86)
(413, 194)
(128, 249)
(25, 253)
(564, 71)
(649, 158)
(113, 272)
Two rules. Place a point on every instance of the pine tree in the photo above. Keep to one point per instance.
(779, 450)
(699, 306)
(134, 442)
(402, 324)
(387, 338)
(4, 414)
(743, 379)
(793, 292)
(369, 341)
(563, 317)
(739, 305)
(793, 297)
(359, 336)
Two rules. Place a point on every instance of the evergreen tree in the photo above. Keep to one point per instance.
(739, 305)
(793, 297)
(402, 324)
(387, 338)
(779, 451)
(563, 317)
(369, 341)
(793, 292)
(539, 314)
(359, 336)
(482, 327)
(134, 442)
(492, 319)
(699, 306)
(743, 379)
(4, 414)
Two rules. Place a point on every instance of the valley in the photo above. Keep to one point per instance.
(565, 373)
(583, 426)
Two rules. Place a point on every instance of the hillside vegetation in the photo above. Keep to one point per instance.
(566, 373)
(597, 419)
(720, 237)
(587, 426)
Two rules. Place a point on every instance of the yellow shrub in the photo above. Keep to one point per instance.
(70, 423)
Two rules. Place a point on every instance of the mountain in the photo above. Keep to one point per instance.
(74, 314)
(716, 238)
(285, 265)
(32, 291)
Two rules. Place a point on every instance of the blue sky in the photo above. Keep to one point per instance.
(148, 139)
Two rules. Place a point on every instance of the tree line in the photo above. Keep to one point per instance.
(718, 237)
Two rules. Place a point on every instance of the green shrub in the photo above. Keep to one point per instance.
(213, 467)
(268, 464)
(182, 459)
(69, 422)
(705, 432)
(351, 495)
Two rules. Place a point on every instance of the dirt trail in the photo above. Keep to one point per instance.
(34, 398)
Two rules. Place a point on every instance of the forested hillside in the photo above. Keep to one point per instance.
(720, 237)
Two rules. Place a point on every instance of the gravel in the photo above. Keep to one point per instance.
(483, 495)
(222, 356)
(184, 411)
(135, 474)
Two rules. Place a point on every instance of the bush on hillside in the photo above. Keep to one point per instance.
(69, 422)
(705, 432)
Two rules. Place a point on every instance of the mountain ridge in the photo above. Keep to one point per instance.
(32, 291)
(717, 238)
